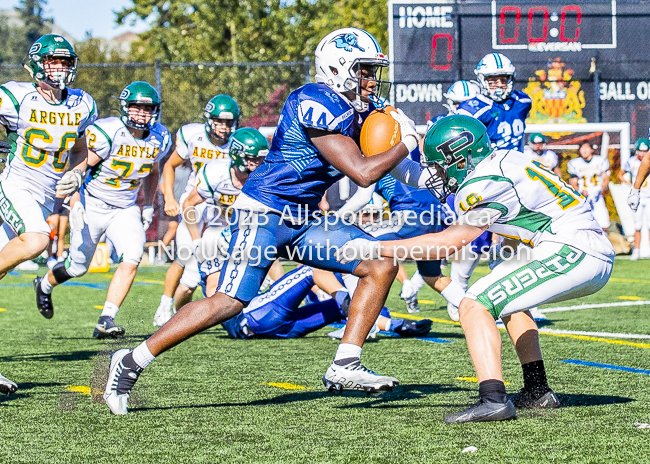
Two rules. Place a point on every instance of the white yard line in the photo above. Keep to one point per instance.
(598, 305)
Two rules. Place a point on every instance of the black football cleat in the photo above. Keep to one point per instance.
(484, 412)
(412, 329)
(43, 300)
(106, 328)
(528, 400)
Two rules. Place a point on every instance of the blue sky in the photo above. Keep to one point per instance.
(76, 17)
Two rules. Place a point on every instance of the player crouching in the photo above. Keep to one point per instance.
(504, 192)
(122, 151)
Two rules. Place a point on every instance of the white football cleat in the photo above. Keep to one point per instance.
(356, 377)
(338, 333)
(636, 254)
(27, 266)
(163, 314)
(453, 312)
(7, 386)
(122, 378)
(537, 314)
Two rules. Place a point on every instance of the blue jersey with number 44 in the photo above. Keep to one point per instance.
(505, 121)
(294, 174)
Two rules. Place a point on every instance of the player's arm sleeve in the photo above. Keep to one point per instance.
(90, 119)
(480, 216)
(571, 170)
(202, 182)
(554, 159)
(333, 116)
(99, 141)
(181, 145)
(606, 166)
(483, 202)
(8, 109)
(165, 147)
(360, 199)
(411, 173)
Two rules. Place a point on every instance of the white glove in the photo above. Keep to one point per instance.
(69, 183)
(410, 136)
(359, 249)
(147, 217)
(633, 199)
(223, 242)
(78, 217)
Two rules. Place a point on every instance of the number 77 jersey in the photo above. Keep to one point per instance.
(41, 134)
(525, 200)
(126, 160)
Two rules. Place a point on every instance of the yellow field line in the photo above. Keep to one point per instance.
(474, 379)
(83, 390)
(285, 386)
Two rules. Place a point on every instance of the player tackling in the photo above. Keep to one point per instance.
(567, 256)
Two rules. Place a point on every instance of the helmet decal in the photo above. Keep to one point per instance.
(347, 42)
(125, 93)
(35, 48)
(450, 147)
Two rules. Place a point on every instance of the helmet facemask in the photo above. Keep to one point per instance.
(367, 72)
(498, 94)
(229, 123)
(140, 125)
(59, 78)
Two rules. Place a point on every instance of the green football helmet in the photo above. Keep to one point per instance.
(143, 93)
(221, 107)
(247, 143)
(51, 46)
(642, 145)
(453, 146)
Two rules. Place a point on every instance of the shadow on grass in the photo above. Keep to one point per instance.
(72, 356)
(403, 393)
(569, 400)
(23, 392)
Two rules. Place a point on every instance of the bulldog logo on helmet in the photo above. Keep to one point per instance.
(347, 42)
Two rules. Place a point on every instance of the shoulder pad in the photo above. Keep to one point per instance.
(109, 125)
(322, 108)
(521, 96)
(471, 106)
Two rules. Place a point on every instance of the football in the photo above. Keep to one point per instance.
(379, 132)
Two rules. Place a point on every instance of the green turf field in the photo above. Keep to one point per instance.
(212, 399)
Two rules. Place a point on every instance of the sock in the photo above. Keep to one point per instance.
(110, 310)
(535, 378)
(492, 391)
(407, 290)
(394, 325)
(453, 293)
(167, 301)
(142, 356)
(347, 353)
(417, 281)
(46, 287)
(127, 380)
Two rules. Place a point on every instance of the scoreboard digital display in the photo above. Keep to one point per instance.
(558, 44)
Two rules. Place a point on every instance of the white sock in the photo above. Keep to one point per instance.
(417, 281)
(45, 285)
(167, 301)
(453, 293)
(142, 356)
(407, 290)
(109, 310)
(347, 350)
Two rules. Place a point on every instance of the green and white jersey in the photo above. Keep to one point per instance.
(589, 173)
(41, 135)
(126, 160)
(525, 200)
(193, 143)
(548, 157)
(632, 166)
(213, 182)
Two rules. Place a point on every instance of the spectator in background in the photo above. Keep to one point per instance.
(589, 175)
(628, 176)
(537, 150)
(58, 221)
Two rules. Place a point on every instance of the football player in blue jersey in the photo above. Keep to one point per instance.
(499, 107)
(277, 214)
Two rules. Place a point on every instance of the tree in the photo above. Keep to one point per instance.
(31, 14)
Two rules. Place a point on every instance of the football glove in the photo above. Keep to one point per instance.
(359, 249)
(410, 136)
(78, 217)
(69, 183)
(147, 216)
(633, 199)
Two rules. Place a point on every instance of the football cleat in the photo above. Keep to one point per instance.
(453, 312)
(414, 328)
(162, 315)
(338, 333)
(43, 300)
(528, 400)
(121, 380)
(356, 377)
(537, 314)
(106, 328)
(7, 386)
(484, 412)
(412, 304)
(27, 266)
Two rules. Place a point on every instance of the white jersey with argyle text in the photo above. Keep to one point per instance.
(525, 200)
(632, 166)
(213, 182)
(41, 135)
(548, 157)
(193, 143)
(126, 160)
(589, 173)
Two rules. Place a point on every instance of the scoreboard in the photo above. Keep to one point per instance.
(582, 59)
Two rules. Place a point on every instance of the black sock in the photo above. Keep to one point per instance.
(492, 391)
(127, 381)
(535, 378)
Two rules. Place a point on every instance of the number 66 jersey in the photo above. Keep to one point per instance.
(126, 160)
(41, 134)
(523, 199)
